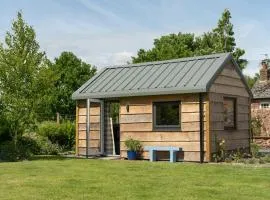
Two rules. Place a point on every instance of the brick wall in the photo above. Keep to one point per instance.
(264, 115)
(263, 142)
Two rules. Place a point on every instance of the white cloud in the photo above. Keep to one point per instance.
(120, 58)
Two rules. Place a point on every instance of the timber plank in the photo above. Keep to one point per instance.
(93, 143)
(136, 126)
(186, 146)
(136, 109)
(161, 136)
(229, 90)
(93, 126)
(93, 134)
(135, 118)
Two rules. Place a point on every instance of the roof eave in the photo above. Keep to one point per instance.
(120, 94)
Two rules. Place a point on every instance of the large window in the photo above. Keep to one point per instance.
(166, 115)
(229, 113)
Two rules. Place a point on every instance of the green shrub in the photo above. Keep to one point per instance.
(30, 142)
(59, 134)
(8, 151)
(5, 134)
(254, 150)
(133, 145)
(68, 128)
(252, 161)
(220, 154)
(261, 161)
(24, 149)
(256, 126)
(48, 148)
(266, 158)
(237, 155)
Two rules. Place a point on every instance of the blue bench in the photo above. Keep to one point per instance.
(153, 152)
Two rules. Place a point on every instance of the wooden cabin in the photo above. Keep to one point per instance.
(190, 103)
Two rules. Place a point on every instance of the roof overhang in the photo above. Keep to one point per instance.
(146, 92)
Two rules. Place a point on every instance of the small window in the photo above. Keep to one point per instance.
(265, 105)
(229, 113)
(166, 115)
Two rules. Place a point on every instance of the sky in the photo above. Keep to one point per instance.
(109, 32)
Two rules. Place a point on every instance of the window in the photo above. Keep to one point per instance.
(265, 105)
(166, 115)
(229, 113)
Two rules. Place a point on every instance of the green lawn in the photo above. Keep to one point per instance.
(116, 179)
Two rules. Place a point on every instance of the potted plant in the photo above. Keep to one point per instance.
(133, 147)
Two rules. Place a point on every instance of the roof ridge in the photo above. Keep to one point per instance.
(216, 55)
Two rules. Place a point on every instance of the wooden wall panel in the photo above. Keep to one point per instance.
(227, 89)
(137, 124)
(136, 127)
(135, 118)
(93, 143)
(94, 135)
(190, 117)
(93, 119)
(91, 151)
(229, 84)
(162, 136)
(186, 146)
(136, 109)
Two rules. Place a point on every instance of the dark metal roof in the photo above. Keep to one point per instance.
(261, 90)
(185, 75)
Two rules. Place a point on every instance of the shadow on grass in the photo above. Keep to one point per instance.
(50, 157)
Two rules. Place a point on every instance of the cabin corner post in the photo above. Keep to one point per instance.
(208, 129)
(102, 128)
(201, 110)
(87, 126)
(77, 130)
(251, 139)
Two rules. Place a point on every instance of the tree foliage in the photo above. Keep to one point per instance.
(21, 67)
(251, 80)
(71, 72)
(219, 40)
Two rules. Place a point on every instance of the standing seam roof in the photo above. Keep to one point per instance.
(186, 75)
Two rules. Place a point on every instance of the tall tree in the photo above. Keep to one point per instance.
(220, 39)
(21, 64)
(225, 41)
(71, 72)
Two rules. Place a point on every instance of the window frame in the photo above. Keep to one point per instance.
(166, 127)
(261, 107)
(234, 113)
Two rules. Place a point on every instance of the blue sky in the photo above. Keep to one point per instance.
(109, 32)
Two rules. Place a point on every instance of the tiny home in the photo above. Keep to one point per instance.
(190, 103)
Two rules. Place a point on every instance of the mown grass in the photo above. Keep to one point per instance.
(116, 179)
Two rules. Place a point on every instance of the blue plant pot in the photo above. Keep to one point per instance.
(131, 155)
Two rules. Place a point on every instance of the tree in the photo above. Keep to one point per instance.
(252, 80)
(71, 72)
(21, 65)
(219, 40)
(225, 41)
(168, 47)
